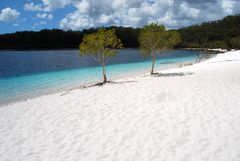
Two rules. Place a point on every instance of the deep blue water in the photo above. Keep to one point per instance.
(24, 74)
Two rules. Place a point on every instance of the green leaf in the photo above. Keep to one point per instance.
(102, 45)
(156, 37)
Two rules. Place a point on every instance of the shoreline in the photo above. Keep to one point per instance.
(187, 113)
(131, 75)
(217, 50)
(68, 85)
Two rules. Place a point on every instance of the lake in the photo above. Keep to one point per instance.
(26, 74)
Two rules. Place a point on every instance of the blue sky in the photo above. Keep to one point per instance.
(28, 20)
(20, 15)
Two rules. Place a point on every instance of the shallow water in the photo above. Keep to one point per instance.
(24, 74)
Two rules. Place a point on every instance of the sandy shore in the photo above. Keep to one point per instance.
(184, 114)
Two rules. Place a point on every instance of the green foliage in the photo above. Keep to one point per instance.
(215, 34)
(128, 36)
(218, 44)
(156, 37)
(235, 42)
(102, 45)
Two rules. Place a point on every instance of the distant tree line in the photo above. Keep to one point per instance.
(223, 33)
(59, 39)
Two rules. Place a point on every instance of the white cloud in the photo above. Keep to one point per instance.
(32, 7)
(50, 5)
(76, 21)
(169, 20)
(227, 6)
(83, 6)
(104, 19)
(113, 12)
(39, 15)
(9, 14)
(44, 16)
(136, 13)
(187, 11)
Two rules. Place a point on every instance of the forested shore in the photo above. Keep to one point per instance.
(223, 33)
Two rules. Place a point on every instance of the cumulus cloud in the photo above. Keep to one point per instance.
(9, 14)
(133, 13)
(44, 16)
(136, 13)
(228, 6)
(187, 11)
(50, 5)
(33, 7)
(83, 6)
(74, 21)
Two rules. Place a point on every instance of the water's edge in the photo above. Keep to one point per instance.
(65, 90)
(27, 75)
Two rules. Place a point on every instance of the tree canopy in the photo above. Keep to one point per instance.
(154, 38)
(101, 45)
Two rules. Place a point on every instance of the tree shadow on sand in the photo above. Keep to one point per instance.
(98, 85)
(108, 82)
(179, 74)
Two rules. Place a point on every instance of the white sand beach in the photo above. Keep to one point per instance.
(183, 114)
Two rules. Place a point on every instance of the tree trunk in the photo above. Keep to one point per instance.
(153, 61)
(104, 73)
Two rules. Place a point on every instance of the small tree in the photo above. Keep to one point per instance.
(155, 38)
(101, 45)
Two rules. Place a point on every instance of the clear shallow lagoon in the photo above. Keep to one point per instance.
(25, 74)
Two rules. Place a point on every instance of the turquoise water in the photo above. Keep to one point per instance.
(22, 83)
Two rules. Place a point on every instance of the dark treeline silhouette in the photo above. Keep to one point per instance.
(40, 40)
(59, 39)
(223, 33)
